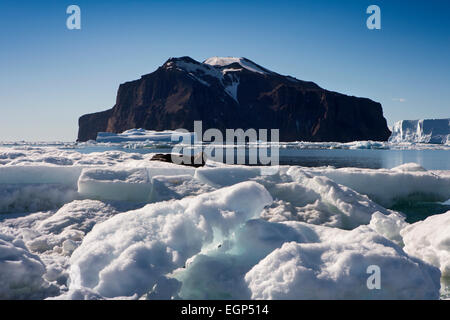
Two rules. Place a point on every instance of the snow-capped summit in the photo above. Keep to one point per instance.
(217, 71)
(216, 66)
(422, 131)
(243, 62)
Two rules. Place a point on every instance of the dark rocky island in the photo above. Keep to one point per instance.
(236, 93)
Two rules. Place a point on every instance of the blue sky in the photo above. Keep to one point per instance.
(51, 75)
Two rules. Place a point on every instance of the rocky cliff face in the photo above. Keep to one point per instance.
(231, 93)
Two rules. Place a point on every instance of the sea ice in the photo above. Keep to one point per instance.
(34, 197)
(390, 186)
(214, 232)
(176, 187)
(134, 251)
(218, 273)
(336, 268)
(120, 184)
(389, 226)
(333, 204)
(40, 174)
(429, 240)
(226, 176)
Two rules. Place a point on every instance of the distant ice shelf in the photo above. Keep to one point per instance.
(421, 131)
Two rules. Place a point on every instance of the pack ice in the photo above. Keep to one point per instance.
(115, 225)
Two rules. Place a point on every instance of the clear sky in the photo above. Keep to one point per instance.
(49, 75)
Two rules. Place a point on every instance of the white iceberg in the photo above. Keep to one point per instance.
(145, 135)
(421, 131)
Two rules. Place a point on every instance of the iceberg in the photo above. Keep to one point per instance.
(421, 131)
(115, 184)
(145, 135)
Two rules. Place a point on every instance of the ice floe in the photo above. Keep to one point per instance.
(429, 240)
(115, 184)
(134, 251)
(388, 186)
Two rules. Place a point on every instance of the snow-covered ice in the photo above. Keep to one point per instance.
(21, 272)
(115, 225)
(336, 268)
(429, 240)
(389, 226)
(115, 184)
(388, 186)
(134, 251)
